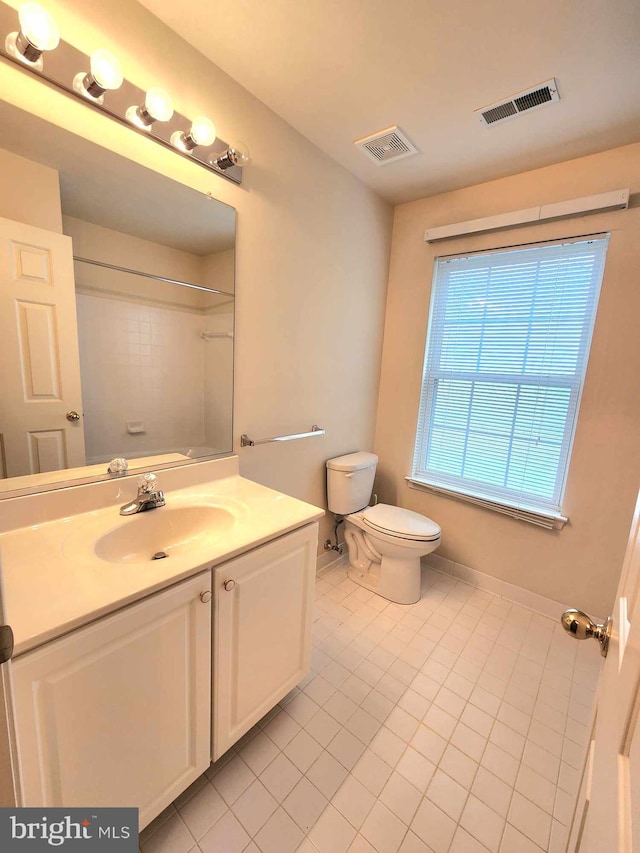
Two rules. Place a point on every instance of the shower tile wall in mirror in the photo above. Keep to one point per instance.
(116, 312)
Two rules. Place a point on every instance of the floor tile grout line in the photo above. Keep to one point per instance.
(386, 636)
(495, 642)
(489, 592)
(488, 741)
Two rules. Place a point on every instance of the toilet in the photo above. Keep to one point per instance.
(385, 542)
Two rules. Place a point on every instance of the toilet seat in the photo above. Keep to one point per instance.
(401, 523)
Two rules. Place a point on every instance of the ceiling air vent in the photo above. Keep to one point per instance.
(522, 102)
(386, 145)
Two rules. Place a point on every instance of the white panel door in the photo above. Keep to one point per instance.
(609, 818)
(119, 713)
(39, 361)
(262, 631)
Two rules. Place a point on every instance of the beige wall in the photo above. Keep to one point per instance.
(312, 246)
(219, 270)
(581, 563)
(30, 192)
(133, 253)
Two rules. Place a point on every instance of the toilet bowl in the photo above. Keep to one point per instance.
(385, 542)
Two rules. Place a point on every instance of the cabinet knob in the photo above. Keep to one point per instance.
(229, 585)
(205, 597)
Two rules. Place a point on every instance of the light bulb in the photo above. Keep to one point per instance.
(105, 73)
(237, 154)
(240, 153)
(106, 70)
(37, 25)
(38, 32)
(201, 132)
(158, 106)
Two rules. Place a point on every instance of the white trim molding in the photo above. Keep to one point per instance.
(614, 200)
(532, 600)
(330, 559)
(510, 592)
(548, 520)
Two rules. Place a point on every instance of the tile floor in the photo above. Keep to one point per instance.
(455, 725)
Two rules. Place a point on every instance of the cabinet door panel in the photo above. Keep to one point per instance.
(262, 631)
(118, 713)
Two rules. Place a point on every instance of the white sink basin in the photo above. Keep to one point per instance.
(166, 530)
(184, 530)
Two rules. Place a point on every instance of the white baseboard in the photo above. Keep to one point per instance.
(531, 600)
(330, 558)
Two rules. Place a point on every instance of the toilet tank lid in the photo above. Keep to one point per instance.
(353, 461)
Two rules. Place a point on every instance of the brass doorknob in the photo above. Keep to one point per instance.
(73, 416)
(581, 626)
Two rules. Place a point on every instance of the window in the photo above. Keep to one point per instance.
(507, 349)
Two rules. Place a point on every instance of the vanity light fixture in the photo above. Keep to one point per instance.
(237, 154)
(158, 106)
(202, 132)
(105, 74)
(102, 86)
(38, 32)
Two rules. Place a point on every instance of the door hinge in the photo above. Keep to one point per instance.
(6, 643)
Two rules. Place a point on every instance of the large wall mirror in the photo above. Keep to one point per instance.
(116, 312)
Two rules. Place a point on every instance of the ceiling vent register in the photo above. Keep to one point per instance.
(386, 146)
(522, 102)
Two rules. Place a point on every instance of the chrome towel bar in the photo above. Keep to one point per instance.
(245, 441)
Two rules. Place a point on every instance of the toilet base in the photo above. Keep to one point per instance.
(395, 579)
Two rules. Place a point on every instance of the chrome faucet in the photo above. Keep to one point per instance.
(149, 496)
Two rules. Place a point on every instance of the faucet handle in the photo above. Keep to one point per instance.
(147, 484)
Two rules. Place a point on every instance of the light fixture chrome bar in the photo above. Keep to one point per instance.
(151, 275)
(63, 64)
(245, 441)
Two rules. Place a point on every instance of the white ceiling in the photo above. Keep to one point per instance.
(338, 70)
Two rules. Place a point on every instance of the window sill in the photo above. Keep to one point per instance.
(548, 520)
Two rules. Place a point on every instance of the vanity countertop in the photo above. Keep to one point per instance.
(53, 581)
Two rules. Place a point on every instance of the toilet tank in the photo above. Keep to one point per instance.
(350, 481)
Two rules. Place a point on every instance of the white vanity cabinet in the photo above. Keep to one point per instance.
(124, 710)
(118, 713)
(263, 615)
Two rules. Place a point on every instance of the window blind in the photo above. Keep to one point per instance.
(507, 348)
